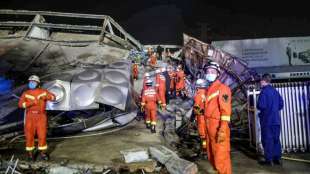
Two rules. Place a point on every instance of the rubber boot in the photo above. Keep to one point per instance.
(153, 129)
(30, 156)
(44, 156)
(148, 125)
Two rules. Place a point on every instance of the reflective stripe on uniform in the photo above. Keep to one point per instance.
(213, 95)
(30, 96)
(153, 123)
(142, 103)
(149, 93)
(24, 105)
(42, 147)
(225, 117)
(204, 143)
(41, 95)
(30, 148)
(148, 121)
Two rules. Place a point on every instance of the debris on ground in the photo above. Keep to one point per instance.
(135, 155)
(173, 163)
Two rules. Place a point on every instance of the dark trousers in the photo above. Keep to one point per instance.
(271, 142)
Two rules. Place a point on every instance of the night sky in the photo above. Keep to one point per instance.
(164, 21)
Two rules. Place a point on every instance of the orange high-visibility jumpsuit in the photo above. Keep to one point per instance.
(149, 101)
(180, 81)
(217, 115)
(135, 71)
(172, 76)
(34, 102)
(199, 105)
(161, 88)
(153, 61)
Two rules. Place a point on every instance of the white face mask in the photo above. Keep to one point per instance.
(211, 77)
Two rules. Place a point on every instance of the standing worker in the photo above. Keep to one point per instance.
(149, 51)
(135, 70)
(34, 102)
(172, 76)
(153, 60)
(199, 105)
(167, 85)
(217, 116)
(180, 81)
(159, 51)
(270, 103)
(161, 87)
(149, 102)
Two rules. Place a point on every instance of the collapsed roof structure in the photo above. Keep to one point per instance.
(85, 66)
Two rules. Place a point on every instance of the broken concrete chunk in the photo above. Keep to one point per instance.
(148, 166)
(186, 105)
(161, 153)
(189, 113)
(171, 108)
(63, 170)
(176, 165)
(171, 160)
(135, 155)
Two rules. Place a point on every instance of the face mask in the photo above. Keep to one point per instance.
(211, 77)
(32, 84)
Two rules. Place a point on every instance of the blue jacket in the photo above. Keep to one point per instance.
(269, 103)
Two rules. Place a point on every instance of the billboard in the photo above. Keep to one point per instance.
(269, 51)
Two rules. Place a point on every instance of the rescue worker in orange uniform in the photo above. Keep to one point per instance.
(160, 83)
(180, 81)
(135, 70)
(217, 116)
(149, 51)
(153, 60)
(149, 102)
(172, 75)
(199, 105)
(145, 78)
(34, 102)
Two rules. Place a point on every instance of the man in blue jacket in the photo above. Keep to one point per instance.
(270, 103)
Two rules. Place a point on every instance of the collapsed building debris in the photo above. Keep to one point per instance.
(82, 65)
(173, 163)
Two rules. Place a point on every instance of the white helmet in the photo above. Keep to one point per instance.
(163, 69)
(34, 78)
(148, 82)
(214, 65)
(157, 71)
(179, 67)
(147, 75)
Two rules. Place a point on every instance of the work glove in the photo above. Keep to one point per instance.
(160, 105)
(163, 106)
(221, 136)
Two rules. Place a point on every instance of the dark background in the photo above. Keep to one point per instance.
(164, 21)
